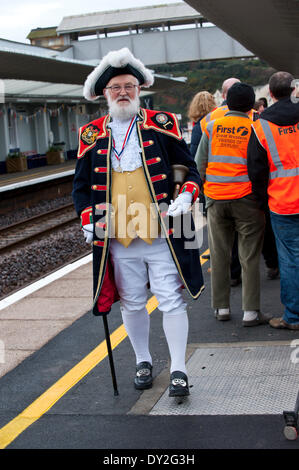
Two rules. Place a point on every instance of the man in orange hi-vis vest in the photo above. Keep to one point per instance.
(217, 113)
(273, 167)
(222, 163)
(220, 111)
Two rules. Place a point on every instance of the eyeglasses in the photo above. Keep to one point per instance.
(117, 88)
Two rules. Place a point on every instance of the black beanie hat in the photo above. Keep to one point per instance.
(240, 97)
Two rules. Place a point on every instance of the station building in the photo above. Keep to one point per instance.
(38, 116)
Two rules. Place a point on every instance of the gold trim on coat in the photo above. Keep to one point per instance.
(163, 131)
(153, 194)
(107, 219)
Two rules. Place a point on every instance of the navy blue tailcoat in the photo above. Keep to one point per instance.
(162, 146)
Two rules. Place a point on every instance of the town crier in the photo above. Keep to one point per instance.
(123, 191)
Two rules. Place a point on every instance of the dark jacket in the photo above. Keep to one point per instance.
(195, 138)
(282, 113)
(162, 146)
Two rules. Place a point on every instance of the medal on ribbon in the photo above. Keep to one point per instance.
(126, 139)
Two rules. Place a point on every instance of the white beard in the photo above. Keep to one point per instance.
(123, 113)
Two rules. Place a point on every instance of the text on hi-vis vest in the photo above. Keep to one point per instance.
(232, 130)
(289, 129)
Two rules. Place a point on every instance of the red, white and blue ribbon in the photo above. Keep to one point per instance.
(126, 139)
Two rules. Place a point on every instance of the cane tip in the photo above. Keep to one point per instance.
(116, 393)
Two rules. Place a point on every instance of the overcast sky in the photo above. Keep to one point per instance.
(18, 17)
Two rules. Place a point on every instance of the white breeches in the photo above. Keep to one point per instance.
(134, 267)
(141, 263)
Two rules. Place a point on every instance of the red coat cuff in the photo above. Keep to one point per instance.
(86, 216)
(192, 188)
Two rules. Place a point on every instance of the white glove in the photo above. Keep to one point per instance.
(88, 232)
(181, 205)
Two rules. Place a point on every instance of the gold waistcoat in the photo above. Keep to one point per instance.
(134, 214)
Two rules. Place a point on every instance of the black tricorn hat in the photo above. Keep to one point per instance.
(113, 64)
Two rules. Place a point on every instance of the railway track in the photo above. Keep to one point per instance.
(23, 232)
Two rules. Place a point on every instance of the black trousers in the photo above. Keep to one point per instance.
(269, 248)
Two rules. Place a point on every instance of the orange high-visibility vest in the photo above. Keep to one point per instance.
(226, 172)
(253, 115)
(220, 112)
(281, 144)
(214, 114)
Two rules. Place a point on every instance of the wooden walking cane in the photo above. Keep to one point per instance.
(110, 356)
(179, 173)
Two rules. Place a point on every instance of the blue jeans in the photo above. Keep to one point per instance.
(286, 231)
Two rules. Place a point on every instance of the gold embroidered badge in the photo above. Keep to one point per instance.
(90, 134)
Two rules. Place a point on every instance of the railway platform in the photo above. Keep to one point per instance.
(56, 390)
(34, 175)
(25, 189)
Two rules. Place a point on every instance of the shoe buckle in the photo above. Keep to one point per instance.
(143, 372)
(180, 382)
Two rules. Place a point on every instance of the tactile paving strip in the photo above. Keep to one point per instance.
(237, 381)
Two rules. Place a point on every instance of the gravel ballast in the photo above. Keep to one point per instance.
(25, 265)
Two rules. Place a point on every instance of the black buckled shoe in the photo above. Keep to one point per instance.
(143, 378)
(178, 384)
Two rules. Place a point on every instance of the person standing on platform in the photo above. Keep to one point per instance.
(124, 168)
(259, 106)
(273, 168)
(265, 102)
(269, 251)
(201, 104)
(220, 111)
(231, 207)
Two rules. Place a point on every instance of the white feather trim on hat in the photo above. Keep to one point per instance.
(116, 59)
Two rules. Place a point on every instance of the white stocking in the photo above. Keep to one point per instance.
(137, 325)
(175, 327)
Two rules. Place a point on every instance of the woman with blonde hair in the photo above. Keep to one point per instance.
(201, 105)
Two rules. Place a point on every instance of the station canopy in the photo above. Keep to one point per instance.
(268, 28)
(27, 90)
(33, 91)
(29, 72)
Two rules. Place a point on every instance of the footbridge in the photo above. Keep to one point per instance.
(158, 34)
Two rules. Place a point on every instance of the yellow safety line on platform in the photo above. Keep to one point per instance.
(51, 396)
